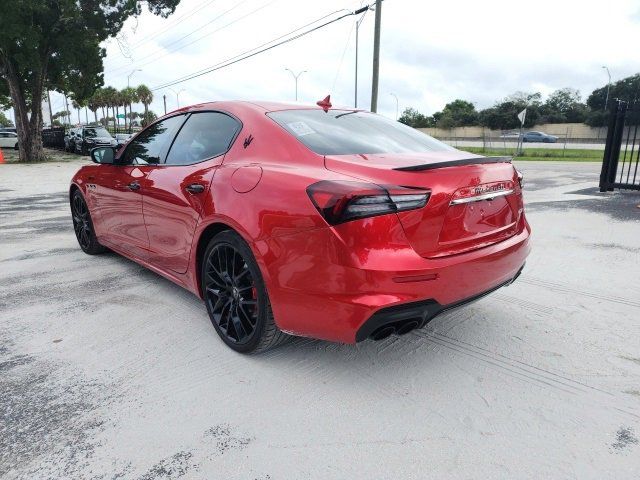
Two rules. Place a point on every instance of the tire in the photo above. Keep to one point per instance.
(83, 226)
(236, 297)
(15, 147)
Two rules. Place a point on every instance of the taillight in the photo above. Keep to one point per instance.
(340, 202)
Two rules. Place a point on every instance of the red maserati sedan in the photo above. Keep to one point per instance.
(312, 221)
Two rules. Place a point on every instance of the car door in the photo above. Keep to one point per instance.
(176, 192)
(77, 141)
(119, 187)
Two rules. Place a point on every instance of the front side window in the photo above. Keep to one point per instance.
(149, 147)
(348, 132)
(204, 135)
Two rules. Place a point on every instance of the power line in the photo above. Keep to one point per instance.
(172, 24)
(213, 20)
(346, 45)
(274, 39)
(148, 38)
(252, 52)
(118, 69)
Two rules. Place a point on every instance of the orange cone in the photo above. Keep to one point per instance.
(1, 156)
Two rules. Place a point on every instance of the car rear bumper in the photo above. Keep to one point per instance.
(322, 285)
(401, 319)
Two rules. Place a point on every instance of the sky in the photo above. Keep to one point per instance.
(431, 52)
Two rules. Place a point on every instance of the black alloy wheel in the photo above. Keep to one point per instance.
(83, 226)
(235, 296)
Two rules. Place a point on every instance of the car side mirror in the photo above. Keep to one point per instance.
(103, 155)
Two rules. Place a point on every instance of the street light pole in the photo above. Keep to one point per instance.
(376, 58)
(177, 96)
(295, 77)
(129, 76)
(606, 102)
(396, 97)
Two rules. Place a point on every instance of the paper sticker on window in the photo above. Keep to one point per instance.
(300, 128)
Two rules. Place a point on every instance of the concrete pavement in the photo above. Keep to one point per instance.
(110, 371)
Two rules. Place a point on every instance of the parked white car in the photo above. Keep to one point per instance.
(9, 140)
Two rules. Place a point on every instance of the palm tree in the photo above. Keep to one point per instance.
(129, 96)
(77, 105)
(117, 103)
(110, 99)
(145, 96)
(94, 104)
(101, 101)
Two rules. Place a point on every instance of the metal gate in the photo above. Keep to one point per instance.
(622, 150)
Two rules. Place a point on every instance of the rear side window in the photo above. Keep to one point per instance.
(149, 147)
(345, 132)
(204, 135)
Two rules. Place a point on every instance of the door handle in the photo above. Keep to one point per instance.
(195, 188)
(133, 186)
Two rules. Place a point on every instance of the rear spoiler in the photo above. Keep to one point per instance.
(455, 163)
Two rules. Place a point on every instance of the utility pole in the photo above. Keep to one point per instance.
(164, 99)
(606, 102)
(358, 22)
(376, 58)
(295, 77)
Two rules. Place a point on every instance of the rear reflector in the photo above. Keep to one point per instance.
(340, 202)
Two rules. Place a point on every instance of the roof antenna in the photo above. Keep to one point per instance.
(325, 103)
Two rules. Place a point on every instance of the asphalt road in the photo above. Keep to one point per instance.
(109, 371)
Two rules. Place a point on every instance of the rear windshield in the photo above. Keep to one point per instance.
(345, 132)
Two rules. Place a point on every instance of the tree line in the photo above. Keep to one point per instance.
(562, 106)
(56, 45)
(110, 98)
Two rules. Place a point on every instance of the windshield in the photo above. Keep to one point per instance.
(96, 132)
(347, 132)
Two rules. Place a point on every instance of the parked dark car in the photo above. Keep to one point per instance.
(86, 138)
(539, 137)
(69, 140)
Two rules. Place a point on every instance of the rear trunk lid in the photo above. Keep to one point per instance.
(475, 201)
